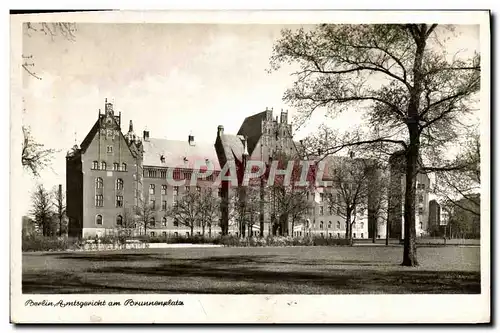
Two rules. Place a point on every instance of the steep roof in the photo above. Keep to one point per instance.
(252, 129)
(233, 146)
(179, 153)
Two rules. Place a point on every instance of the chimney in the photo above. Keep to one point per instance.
(220, 130)
(191, 140)
(245, 147)
(130, 127)
(146, 135)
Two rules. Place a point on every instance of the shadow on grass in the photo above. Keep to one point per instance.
(245, 275)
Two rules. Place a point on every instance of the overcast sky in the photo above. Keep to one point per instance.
(172, 79)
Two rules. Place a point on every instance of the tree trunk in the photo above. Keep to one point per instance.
(410, 248)
(210, 230)
(347, 224)
(412, 155)
(191, 227)
(203, 229)
(387, 227)
(293, 225)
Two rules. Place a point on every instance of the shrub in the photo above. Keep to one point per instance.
(36, 242)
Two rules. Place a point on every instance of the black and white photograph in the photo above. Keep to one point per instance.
(190, 167)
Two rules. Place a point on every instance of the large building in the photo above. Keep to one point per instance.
(112, 172)
(396, 190)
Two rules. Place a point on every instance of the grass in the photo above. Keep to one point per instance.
(272, 270)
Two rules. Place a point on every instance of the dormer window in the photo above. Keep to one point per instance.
(162, 159)
(185, 159)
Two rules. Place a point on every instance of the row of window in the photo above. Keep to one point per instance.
(102, 166)
(99, 200)
(152, 190)
(299, 233)
(337, 225)
(99, 183)
(177, 174)
(152, 221)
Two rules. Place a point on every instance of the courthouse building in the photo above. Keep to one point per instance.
(113, 171)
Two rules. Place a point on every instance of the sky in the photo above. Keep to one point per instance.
(171, 79)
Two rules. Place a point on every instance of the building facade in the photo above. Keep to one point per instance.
(112, 172)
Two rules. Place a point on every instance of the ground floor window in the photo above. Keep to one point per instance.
(164, 234)
(153, 234)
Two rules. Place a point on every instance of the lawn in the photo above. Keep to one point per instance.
(272, 270)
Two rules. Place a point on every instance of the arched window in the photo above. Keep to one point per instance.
(329, 224)
(164, 221)
(119, 184)
(124, 166)
(95, 165)
(420, 225)
(152, 221)
(98, 182)
(119, 220)
(98, 220)
(103, 165)
(321, 224)
(151, 188)
(338, 225)
(115, 166)
(362, 225)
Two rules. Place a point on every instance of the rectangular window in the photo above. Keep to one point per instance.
(164, 190)
(321, 197)
(151, 173)
(152, 189)
(164, 205)
(176, 190)
(186, 189)
(98, 200)
(109, 149)
(164, 233)
(119, 201)
(152, 203)
(174, 201)
(163, 174)
(320, 210)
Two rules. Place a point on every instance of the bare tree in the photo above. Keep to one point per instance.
(209, 207)
(245, 208)
(459, 186)
(351, 188)
(187, 210)
(34, 156)
(288, 200)
(65, 29)
(413, 94)
(128, 223)
(60, 208)
(42, 210)
(144, 213)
